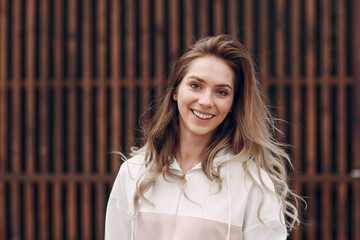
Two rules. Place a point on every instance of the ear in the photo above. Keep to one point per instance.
(174, 96)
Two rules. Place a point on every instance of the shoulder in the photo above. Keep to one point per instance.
(243, 170)
(133, 167)
(255, 192)
(240, 166)
(128, 174)
(130, 171)
(258, 175)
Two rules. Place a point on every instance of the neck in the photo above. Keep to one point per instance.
(189, 151)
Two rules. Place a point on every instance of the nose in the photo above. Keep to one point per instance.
(206, 99)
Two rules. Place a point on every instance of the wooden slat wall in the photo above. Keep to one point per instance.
(75, 76)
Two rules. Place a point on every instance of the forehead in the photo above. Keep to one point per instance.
(211, 69)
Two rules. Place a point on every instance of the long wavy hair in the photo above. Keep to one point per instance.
(249, 129)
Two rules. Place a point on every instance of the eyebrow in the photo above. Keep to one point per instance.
(203, 81)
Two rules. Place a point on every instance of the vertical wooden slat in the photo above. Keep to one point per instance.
(15, 211)
(311, 113)
(264, 44)
(159, 44)
(3, 76)
(58, 216)
(30, 86)
(189, 22)
(174, 29)
(101, 115)
(30, 117)
(71, 66)
(310, 72)
(341, 121)
(356, 121)
(101, 42)
(249, 25)
(71, 223)
(145, 53)
(115, 74)
(280, 63)
(204, 17)
(16, 70)
(130, 77)
(71, 195)
(16, 116)
(233, 12)
(101, 107)
(145, 40)
(58, 123)
(296, 100)
(341, 114)
(3, 206)
(326, 71)
(58, 68)
(86, 213)
(341, 42)
(3, 110)
(44, 73)
(43, 225)
(356, 210)
(100, 212)
(325, 117)
(218, 17)
(86, 86)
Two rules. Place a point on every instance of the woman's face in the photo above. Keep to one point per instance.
(204, 96)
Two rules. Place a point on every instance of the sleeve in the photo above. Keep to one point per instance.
(273, 226)
(118, 219)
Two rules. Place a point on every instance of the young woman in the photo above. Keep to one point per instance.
(210, 167)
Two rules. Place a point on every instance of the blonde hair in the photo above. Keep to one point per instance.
(248, 129)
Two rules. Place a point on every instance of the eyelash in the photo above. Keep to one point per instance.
(196, 86)
(222, 93)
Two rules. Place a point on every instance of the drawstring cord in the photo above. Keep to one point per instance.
(132, 229)
(229, 201)
(177, 210)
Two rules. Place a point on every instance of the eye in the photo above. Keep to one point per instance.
(223, 93)
(195, 86)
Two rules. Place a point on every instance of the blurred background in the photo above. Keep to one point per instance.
(76, 75)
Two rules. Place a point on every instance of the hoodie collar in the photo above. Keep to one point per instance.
(223, 155)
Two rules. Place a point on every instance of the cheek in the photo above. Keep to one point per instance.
(226, 106)
(182, 104)
(185, 99)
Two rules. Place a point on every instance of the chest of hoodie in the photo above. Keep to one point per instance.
(198, 197)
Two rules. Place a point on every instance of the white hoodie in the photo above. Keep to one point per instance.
(196, 210)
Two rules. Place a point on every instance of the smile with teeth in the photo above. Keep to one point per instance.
(201, 115)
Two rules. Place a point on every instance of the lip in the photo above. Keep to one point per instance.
(207, 116)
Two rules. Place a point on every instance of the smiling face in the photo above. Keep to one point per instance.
(204, 96)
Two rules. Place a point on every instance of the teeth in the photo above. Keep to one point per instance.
(203, 116)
